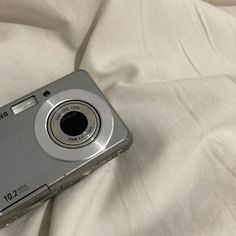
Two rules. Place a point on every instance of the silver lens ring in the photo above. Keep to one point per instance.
(73, 124)
(74, 154)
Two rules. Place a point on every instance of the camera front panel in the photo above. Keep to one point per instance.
(42, 152)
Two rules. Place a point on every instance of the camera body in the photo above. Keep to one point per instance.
(53, 137)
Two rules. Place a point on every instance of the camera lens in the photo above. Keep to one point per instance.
(74, 123)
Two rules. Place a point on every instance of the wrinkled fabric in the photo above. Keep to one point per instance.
(222, 2)
(168, 69)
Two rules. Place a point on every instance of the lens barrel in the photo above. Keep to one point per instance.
(73, 124)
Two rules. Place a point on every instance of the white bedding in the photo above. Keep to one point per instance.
(162, 65)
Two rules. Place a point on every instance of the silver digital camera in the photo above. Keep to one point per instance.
(52, 138)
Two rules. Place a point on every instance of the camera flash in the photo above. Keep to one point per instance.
(24, 105)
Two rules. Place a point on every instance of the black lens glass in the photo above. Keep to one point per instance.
(74, 123)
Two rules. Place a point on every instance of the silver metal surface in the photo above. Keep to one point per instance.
(75, 141)
(34, 167)
(85, 152)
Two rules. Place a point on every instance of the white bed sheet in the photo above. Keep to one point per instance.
(163, 65)
(230, 9)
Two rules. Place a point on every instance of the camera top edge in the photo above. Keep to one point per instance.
(80, 78)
